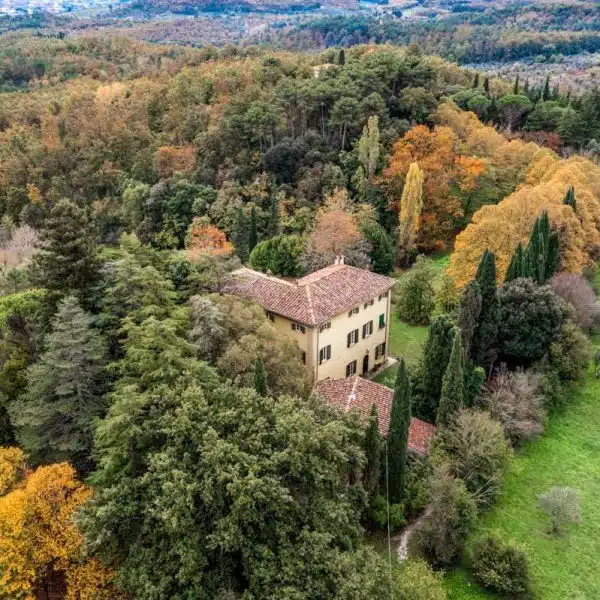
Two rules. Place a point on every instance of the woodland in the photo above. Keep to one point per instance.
(159, 439)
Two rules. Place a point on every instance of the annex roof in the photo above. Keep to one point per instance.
(359, 393)
(311, 300)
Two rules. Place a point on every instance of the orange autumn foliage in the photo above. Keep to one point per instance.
(444, 168)
(208, 240)
(40, 544)
(174, 159)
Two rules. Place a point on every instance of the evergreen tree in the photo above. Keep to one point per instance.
(398, 435)
(253, 235)
(342, 57)
(435, 359)
(453, 384)
(546, 94)
(260, 377)
(274, 215)
(241, 235)
(486, 332)
(526, 87)
(570, 199)
(518, 264)
(468, 314)
(476, 81)
(383, 251)
(543, 251)
(68, 258)
(486, 85)
(372, 448)
(516, 86)
(55, 416)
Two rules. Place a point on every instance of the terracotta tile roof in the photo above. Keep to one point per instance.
(361, 394)
(314, 299)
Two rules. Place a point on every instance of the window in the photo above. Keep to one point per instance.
(354, 311)
(367, 329)
(271, 317)
(298, 328)
(369, 303)
(383, 296)
(381, 321)
(380, 351)
(325, 327)
(351, 368)
(353, 338)
(324, 354)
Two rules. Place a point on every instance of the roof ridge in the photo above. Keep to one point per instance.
(310, 304)
(352, 394)
(242, 270)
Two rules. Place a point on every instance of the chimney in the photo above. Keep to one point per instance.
(337, 260)
(342, 260)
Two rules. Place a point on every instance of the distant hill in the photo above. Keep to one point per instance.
(191, 6)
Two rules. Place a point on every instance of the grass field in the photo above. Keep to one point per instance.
(565, 567)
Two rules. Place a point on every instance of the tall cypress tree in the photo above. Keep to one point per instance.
(68, 259)
(398, 435)
(453, 385)
(546, 94)
(260, 377)
(342, 57)
(486, 85)
(274, 215)
(372, 447)
(486, 332)
(54, 419)
(435, 358)
(518, 264)
(543, 251)
(570, 199)
(468, 314)
(516, 86)
(253, 235)
(476, 81)
(241, 235)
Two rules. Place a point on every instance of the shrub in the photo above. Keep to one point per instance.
(515, 399)
(501, 568)
(578, 292)
(417, 493)
(415, 298)
(415, 580)
(531, 317)
(569, 354)
(450, 521)
(562, 505)
(476, 450)
(281, 255)
(378, 514)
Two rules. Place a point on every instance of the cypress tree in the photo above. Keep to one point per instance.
(518, 264)
(546, 92)
(543, 251)
(453, 385)
(68, 258)
(435, 358)
(372, 448)
(260, 377)
(486, 85)
(241, 235)
(468, 314)
(398, 435)
(486, 332)
(274, 215)
(476, 81)
(526, 87)
(570, 199)
(54, 419)
(516, 86)
(253, 235)
(342, 57)
(383, 251)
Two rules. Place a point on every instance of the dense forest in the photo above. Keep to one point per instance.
(159, 439)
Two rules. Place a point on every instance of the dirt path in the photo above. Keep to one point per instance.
(401, 541)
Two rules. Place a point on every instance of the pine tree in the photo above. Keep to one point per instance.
(435, 359)
(372, 448)
(54, 419)
(342, 57)
(486, 332)
(516, 86)
(546, 94)
(68, 258)
(260, 377)
(468, 314)
(453, 384)
(253, 235)
(411, 206)
(368, 148)
(570, 199)
(486, 85)
(518, 264)
(241, 235)
(476, 81)
(398, 434)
